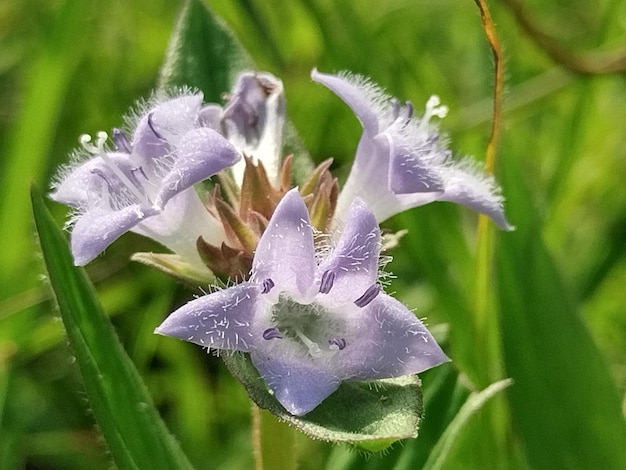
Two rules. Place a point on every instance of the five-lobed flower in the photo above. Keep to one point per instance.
(400, 162)
(146, 184)
(311, 321)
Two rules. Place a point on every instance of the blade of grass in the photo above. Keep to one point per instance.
(442, 454)
(132, 428)
(564, 403)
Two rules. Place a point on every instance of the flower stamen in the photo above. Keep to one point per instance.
(272, 333)
(337, 344)
(328, 279)
(98, 150)
(268, 284)
(120, 141)
(369, 295)
(314, 349)
(151, 125)
(433, 108)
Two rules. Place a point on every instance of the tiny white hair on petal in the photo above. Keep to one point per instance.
(380, 101)
(143, 105)
(467, 172)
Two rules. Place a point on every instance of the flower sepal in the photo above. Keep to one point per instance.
(388, 409)
(225, 261)
(174, 266)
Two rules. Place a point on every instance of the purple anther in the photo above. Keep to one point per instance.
(268, 284)
(272, 333)
(120, 141)
(339, 342)
(140, 170)
(151, 124)
(100, 173)
(369, 295)
(328, 278)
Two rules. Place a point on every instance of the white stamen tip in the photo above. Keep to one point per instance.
(98, 148)
(433, 108)
(433, 102)
(441, 111)
(101, 138)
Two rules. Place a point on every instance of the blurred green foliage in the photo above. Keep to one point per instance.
(73, 66)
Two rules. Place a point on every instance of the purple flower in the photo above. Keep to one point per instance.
(400, 161)
(146, 184)
(311, 319)
(252, 120)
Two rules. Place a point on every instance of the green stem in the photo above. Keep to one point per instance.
(273, 442)
(486, 330)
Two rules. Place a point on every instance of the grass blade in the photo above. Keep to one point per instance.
(445, 446)
(133, 430)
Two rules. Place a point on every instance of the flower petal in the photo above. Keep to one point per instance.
(99, 227)
(162, 127)
(410, 163)
(285, 253)
(254, 120)
(298, 383)
(179, 225)
(211, 116)
(86, 184)
(360, 97)
(354, 261)
(221, 320)
(394, 343)
(202, 153)
(467, 185)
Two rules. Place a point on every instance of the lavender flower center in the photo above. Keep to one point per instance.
(311, 326)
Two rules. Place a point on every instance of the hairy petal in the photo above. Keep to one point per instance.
(99, 227)
(163, 126)
(359, 97)
(411, 168)
(92, 182)
(467, 185)
(222, 320)
(202, 153)
(354, 261)
(298, 383)
(394, 343)
(285, 253)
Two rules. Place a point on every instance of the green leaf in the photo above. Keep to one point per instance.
(442, 452)
(371, 415)
(133, 430)
(564, 401)
(202, 53)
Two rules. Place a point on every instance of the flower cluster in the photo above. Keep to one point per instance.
(307, 305)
